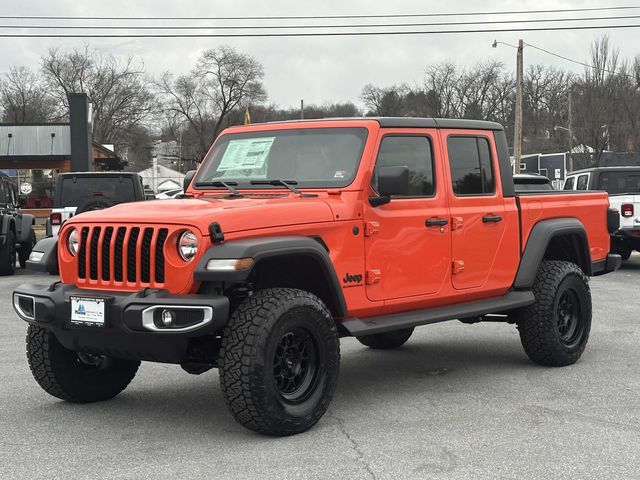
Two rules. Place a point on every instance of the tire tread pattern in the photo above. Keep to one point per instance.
(48, 361)
(537, 324)
(241, 354)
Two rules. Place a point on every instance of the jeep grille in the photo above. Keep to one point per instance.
(122, 255)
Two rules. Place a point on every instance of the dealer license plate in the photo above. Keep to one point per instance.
(88, 311)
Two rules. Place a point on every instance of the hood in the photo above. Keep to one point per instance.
(233, 214)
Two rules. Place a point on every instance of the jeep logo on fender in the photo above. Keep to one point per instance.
(348, 278)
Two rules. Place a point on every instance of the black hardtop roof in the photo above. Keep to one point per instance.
(412, 122)
(624, 168)
(530, 177)
(97, 174)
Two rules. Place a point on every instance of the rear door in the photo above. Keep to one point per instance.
(479, 219)
(408, 240)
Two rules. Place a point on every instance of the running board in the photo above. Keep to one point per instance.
(396, 321)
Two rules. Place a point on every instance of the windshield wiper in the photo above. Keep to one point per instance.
(284, 183)
(219, 183)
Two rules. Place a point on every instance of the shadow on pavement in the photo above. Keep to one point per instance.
(430, 371)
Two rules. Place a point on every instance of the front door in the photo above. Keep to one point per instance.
(407, 241)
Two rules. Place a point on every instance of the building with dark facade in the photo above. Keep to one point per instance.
(33, 154)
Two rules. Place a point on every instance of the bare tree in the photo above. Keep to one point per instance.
(222, 81)
(118, 90)
(600, 100)
(385, 102)
(23, 98)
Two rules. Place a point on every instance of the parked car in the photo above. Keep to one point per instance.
(531, 182)
(169, 194)
(623, 186)
(17, 236)
(299, 233)
(78, 192)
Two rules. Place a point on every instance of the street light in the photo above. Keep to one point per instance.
(517, 130)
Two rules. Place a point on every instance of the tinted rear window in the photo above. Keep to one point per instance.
(619, 182)
(470, 161)
(76, 191)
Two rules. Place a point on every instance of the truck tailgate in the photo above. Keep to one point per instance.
(590, 208)
(631, 221)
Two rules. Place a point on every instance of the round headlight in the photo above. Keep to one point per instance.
(187, 245)
(73, 241)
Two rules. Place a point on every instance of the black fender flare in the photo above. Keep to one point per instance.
(261, 248)
(7, 222)
(49, 261)
(541, 235)
(25, 222)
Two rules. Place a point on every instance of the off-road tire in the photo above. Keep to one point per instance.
(8, 255)
(386, 340)
(61, 372)
(624, 251)
(253, 347)
(543, 325)
(25, 250)
(97, 203)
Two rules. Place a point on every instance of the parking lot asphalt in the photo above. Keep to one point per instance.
(456, 402)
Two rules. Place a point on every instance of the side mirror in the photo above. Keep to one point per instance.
(391, 181)
(187, 180)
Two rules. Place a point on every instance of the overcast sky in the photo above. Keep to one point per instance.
(321, 69)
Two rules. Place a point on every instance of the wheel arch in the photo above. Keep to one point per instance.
(26, 223)
(7, 222)
(554, 239)
(287, 261)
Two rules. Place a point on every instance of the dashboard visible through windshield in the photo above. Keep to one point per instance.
(306, 157)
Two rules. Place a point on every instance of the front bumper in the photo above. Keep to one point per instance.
(132, 328)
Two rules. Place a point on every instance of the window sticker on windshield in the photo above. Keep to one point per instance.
(340, 174)
(246, 154)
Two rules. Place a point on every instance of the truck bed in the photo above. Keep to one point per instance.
(589, 207)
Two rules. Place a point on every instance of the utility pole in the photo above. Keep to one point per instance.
(570, 159)
(302, 109)
(517, 131)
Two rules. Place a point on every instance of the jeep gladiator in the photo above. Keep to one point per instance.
(294, 234)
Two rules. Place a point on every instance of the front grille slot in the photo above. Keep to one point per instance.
(93, 254)
(145, 268)
(82, 253)
(129, 255)
(117, 254)
(132, 254)
(106, 254)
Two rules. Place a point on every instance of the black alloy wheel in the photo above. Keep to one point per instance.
(295, 365)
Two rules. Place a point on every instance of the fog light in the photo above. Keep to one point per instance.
(168, 317)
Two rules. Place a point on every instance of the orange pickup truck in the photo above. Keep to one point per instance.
(294, 234)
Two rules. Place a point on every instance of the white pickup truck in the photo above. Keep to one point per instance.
(623, 186)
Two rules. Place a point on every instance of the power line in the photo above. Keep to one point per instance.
(322, 17)
(578, 62)
(312, 34)
(305, 26)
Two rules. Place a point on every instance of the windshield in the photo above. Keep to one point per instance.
(620, 182)
(310, 157)
(76, 191)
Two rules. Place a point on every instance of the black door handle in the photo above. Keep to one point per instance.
(436, 222)
(491, 219)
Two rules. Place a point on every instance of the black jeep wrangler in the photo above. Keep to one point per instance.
(17, 237)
